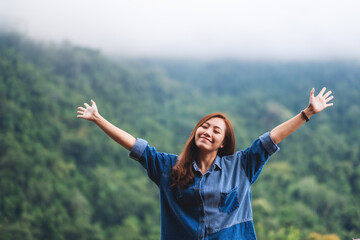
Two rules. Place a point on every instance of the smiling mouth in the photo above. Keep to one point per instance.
(206, 139)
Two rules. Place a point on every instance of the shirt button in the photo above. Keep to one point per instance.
(197, 189)
(201, 204)
(202, 220)
(201, 236)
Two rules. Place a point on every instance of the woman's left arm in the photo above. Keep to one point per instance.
(316, 105)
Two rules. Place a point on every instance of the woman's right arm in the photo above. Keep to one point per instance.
(91, 113)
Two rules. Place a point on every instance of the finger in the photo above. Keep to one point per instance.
(329, 104)
(80, 116)
(81, 108)
(327, 94)
(80, 112)
(322, 91)
(312, 92)
(93, 102)
(329, 99)
(86, 105)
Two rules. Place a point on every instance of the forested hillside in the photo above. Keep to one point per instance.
(63, 178)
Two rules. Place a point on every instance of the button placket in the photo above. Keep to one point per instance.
(201, 230)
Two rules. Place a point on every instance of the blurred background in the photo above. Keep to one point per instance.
(154, 69)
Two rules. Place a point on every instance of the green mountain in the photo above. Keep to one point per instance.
(63, 178)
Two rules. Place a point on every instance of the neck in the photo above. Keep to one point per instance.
(204, 160)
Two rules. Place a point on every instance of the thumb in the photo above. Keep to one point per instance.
(312, 92)
(92, 102)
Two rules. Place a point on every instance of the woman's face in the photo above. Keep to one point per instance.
(210, 135)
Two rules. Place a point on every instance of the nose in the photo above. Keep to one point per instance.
(207, 133)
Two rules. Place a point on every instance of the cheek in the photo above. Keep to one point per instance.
(197, 133)
(220, 139)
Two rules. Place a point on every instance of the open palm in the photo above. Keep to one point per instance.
(320, 102)
(89, 112)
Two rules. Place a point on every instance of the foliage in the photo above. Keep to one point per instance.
(62, 178)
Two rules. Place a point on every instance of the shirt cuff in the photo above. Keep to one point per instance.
(138, 149)
(268, 143)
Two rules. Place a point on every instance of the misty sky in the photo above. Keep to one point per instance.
(280, 29)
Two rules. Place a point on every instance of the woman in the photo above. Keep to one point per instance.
(205, 193)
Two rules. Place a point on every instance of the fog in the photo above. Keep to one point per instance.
(206, 29)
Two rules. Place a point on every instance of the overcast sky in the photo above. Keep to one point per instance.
(278, 29)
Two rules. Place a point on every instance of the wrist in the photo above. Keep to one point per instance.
(308, 112)
(97, 117)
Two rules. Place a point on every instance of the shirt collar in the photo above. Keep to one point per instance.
(216, 164)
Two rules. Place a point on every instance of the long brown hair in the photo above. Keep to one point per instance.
(182, 174)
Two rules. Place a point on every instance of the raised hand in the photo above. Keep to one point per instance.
(88, 113)
(120, 136)
(316, 105)
(321, 101)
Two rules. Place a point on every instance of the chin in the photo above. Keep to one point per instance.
(204, 147)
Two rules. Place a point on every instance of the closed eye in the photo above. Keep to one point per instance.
(205, 125)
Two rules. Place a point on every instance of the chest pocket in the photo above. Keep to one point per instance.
(229, 201)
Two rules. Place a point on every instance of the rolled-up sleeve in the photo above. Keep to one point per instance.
(268, 143)
(138, 149)
(154, 162)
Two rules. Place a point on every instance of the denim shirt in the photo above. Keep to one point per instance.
(217, 205)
